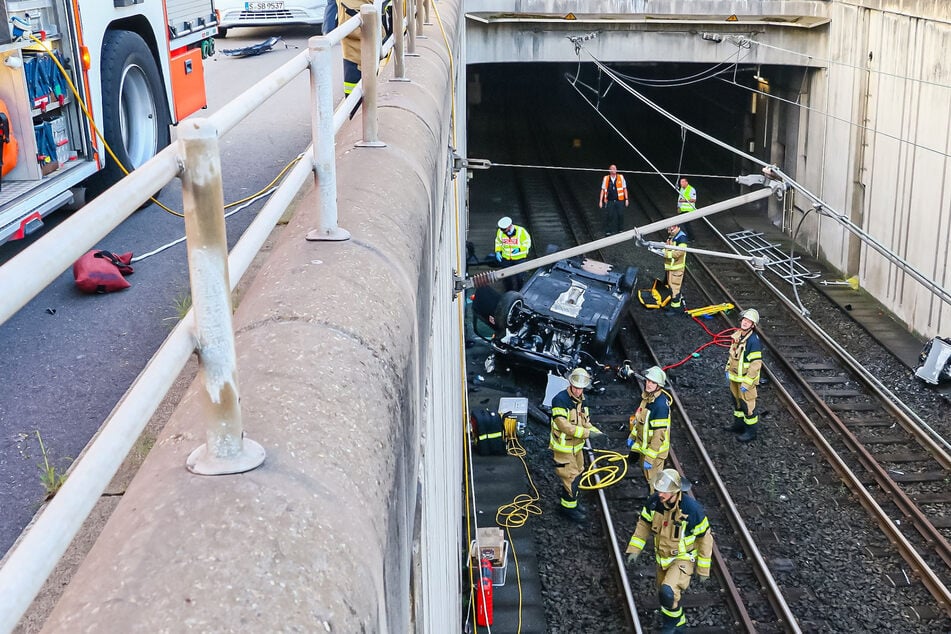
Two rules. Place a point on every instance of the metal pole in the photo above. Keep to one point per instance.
(427, 5)
(322, 131)
(411, 28)
(488, 277)
(419, 19)
(399, 42)
(226, 450)
(369, 66)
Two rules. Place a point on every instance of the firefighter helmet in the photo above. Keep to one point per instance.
(505, 222)
(752, 314)
(579, 377)
(656, 375)
(670, 481)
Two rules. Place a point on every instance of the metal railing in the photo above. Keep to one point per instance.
(207, 328)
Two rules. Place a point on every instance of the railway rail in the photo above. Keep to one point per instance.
(783, 518)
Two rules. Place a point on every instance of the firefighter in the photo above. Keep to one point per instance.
(675, 262)
(742, 371)
(344, 10)
(512, 244)
(686, 201)
(570, 425)
(687, 197)
(650, 426)
(613, 193)
(683, 543)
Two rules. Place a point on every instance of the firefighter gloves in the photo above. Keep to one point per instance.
(595, 433)
(632, 558)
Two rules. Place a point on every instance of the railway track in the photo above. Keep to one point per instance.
(783, 518)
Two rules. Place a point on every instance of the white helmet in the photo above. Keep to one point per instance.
(505, 222)
(579, 377)
(670, 481)
(656, 375)
(752, 314)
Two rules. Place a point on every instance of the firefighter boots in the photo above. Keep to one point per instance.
(737, 426)
(748, 434)
(575, 515)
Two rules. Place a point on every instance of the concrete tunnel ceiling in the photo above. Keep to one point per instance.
(719, 105)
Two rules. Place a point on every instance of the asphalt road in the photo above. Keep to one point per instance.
(66, 358)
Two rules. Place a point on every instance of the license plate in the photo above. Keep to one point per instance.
(263, 6)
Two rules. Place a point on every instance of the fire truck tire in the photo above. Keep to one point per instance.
(222, 32)
(135, 117)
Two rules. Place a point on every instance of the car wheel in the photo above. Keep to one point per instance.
(601, 334)
(505, 312)
(135, 116)
(629, 280)
(222, 32)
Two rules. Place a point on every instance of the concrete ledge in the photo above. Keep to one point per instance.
(332, 341)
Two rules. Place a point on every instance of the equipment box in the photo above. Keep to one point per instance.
(493, 545)
(518, 407)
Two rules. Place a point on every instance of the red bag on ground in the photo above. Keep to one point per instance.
(102, 272)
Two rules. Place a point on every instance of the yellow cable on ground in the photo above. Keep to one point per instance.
(604, 470)
(517, 512)
(95, 129)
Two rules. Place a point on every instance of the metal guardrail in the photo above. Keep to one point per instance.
(207, 328)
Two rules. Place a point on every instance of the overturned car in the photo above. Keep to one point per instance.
(566, 315)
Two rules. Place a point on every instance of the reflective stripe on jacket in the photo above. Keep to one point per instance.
(674, 259)
(569, 423)
(746, 358)
(619, 184)
(682, 532)
(650, 425)
(520, 240)
(688, 196)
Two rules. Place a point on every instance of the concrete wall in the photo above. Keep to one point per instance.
(674, 39)
(348, 357)
(891, 177)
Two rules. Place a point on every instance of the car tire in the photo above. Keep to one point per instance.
(222, 32)
(135, 116)
(602, 333)
(627, 282)
(508, 306)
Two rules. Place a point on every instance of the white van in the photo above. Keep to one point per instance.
(235, 13)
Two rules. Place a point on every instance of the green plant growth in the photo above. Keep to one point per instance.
(50, 477)
(181, 305)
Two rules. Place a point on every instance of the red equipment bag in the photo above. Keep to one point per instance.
(102, 272)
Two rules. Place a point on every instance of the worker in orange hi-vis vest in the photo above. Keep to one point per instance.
(613, 195)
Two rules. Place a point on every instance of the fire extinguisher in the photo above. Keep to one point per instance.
(484, 594)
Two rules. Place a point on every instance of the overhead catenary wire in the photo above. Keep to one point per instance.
(836, 118)
(820, 205)
(846, 64)
(601, 169)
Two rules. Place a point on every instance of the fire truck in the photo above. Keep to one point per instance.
(135, 67)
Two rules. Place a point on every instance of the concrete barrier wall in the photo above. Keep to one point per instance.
(892, 176)
(345, 353)
(656, 40)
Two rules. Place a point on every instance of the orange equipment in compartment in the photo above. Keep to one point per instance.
(188, 83)
(8, 157)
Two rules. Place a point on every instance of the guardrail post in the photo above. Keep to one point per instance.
(427, 4)
(226, 450)
(419, 19)
(411, 28)
(399, 43)
(369, 66)
(322, 131)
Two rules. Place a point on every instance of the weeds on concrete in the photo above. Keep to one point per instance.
(181, 305)
(51, 478)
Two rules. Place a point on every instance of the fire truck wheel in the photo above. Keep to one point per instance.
(134, 108)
